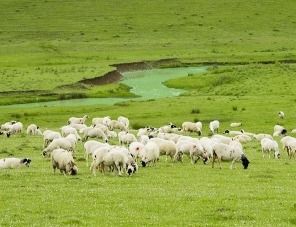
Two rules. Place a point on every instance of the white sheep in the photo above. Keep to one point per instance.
(292, 148)
(286, 142)
(124, 121)
(126, 138)
(233, 133)
(90, 146)
(49, 136)
(136, 149)
(194, 150)
(235, 124)
(261, 136)
(94, 133)
(67, 130)
(169, 136)
(7, 125)
(63, 160)
(221, 139)
(117, 125)
(233, 153)
(78, 127)
(281, 114)
(14, 163)
(144, 139)
(192, 127)
(111, 134)
(16, 128)
(214, 126)
(33, 130)
(279, 130)
(166, 147)
(58, 143)
(268, 146)
(207, 145)
(77, 120)
(243, 138)
(102, 120)
(150, 154)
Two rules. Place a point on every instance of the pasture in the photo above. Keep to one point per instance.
(46, 47)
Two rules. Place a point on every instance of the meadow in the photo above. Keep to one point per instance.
(46, 47)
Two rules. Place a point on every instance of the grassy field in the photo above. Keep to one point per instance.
(47, 46)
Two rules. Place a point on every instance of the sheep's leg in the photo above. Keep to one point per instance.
(262, 152)
(219, 161)
(213, 161)
(232, 164)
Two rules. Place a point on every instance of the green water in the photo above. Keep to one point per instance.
(148, 84)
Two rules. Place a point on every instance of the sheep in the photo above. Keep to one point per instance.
(233, 152)
(111, 134)
(67, 130)
(170, 128)
(233, 133)
(286, 141)
(77, 120)
(102, 120)
(144, 139)
(207, 145)
(97, 156)
(16, 128)
(49, 136)
(126, 138)
(63, 160)
(169, 136)
(78, 127)
(124, 121)
(192, 127)
(192, 149)
(7, 134)
(143, 131)
(292, 148)
(7, 125)
(166, 147)
(33, 130)
(94, 133)
(279, 130)
(242, 138)
(117, 125)
(281, 114)
(293, 131)
(90, 146)
(14, 163)
(150, 154)
(221, 139)
(136, 149)
(214, 126)
(235, 124)
(268, 146)
(58, 143)
(104, 128)
(261, 136)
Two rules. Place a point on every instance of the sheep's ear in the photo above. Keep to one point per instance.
(137, 148)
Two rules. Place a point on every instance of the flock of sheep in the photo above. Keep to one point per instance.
(144, 146)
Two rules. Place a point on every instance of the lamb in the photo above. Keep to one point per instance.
(126, 138)
(192, 127)
(14, 163)
(281, 114)
(94, 133)
(58, 143)
(235, 124)
(150, 154)
(136, 149)
(124, 121)
(166, 147)
(214, 126)
(33, 130)
(63, 160)
(279, 130)
(192, 149)
(77, 120)
(268, 146)
(233, 152)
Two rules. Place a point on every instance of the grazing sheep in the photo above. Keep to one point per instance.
(221, 139)
(214, 126)
(136, 149)
(126, 138)
(58, 143)
(233, 152)
(286, 142)
(117, 125)
(63, 160)
(166, 147)
(144, 139)
(243, 138)
(281, 114)
(16, 128)
(111, 134)
(235, 124)
(94, 133)
(192, 127)
(233, 133)
(49, 136)
(261, 136)
(97, 156)
(194, 150)
(207, 145)
(292, 148)
(67, 130)
(77, 120)
(170, 128)
(14, 163)
(150, 154)
(124, 121)
(104, 128)
(169, 136)
(90, 146)
(268, 146)
(102, 120)
(279, 130)
(7, 125)
(33, 130)
(7, 134)
(78, 127)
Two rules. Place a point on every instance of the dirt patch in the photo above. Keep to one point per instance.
(107, 78)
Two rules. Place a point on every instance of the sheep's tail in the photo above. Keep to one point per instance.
(245, 161)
